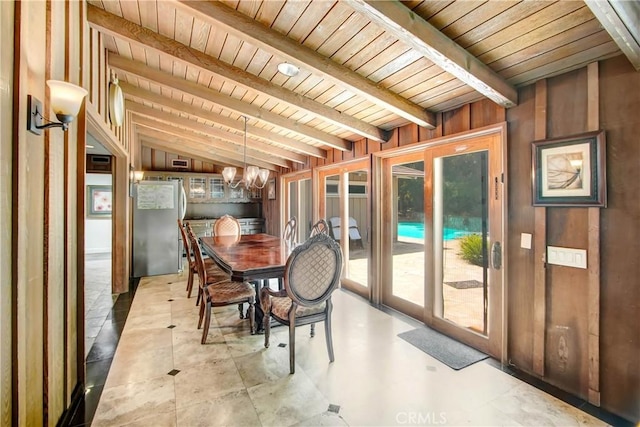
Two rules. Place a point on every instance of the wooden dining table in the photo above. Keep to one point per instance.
(250, 257)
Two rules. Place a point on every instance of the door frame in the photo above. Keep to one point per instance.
(382, 264)
(343, 169)
(285, 180)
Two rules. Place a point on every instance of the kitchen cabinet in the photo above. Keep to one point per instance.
(207, 187)
(204, 227)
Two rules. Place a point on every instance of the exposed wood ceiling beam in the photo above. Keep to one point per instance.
(211, 144)
(418, 34)
(274, 154)
(228, 122)
(218, 13)
(194, 89)
(620, 19)
(121, 28)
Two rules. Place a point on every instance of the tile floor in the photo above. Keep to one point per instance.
(162, 376)
(98, 299)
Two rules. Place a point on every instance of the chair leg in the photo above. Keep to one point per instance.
(266, 325)
(190, 283)
(313, 330)
(199, 296)
(292, 340)
(252, 316)
(240, 310)
(327, 330)
(207, 320)
(201, 315)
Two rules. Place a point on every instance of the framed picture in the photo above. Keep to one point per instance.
(570, 171)
(99, 201)
(271, 189)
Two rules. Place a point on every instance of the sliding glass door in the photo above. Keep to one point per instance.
(442, 221)
(343, 201)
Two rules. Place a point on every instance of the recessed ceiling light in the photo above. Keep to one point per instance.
(288, 69)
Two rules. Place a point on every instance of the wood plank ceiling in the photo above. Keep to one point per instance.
(191, 70)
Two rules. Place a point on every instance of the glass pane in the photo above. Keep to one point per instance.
(358, 227)
(293, 202)
(460, 227)
(197, 188)
(217, 188)
(304, 209)
(408, 237)
(332, 205)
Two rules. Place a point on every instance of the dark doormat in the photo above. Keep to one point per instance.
(465, 284)
(449, 351)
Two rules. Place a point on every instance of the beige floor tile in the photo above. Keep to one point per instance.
(187, 350)
(206, 382)
(263, 366)
(135, 401)
(324, 419)
(232, 409)
(130, 365)
(146, 339)
(161, 420)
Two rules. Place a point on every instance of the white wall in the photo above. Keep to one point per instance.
(98, 231)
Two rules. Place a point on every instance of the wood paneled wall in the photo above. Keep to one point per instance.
(152, 159)
(46, 356)
(6, 203)
(567, 308)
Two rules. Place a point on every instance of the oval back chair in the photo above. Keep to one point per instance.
(227, 226)
(312, 273)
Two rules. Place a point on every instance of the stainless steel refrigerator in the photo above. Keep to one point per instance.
(157, 246)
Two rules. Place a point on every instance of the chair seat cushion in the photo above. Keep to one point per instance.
(280, 308)
(229, 291)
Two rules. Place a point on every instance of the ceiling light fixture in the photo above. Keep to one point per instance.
(288, 69)
(252, 176)
(66, 99)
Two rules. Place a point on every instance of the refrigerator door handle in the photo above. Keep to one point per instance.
(184, 202)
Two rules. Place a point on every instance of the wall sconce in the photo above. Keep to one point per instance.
(136, 176)
(66, 99)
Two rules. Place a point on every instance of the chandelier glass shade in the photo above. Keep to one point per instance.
(252, 177)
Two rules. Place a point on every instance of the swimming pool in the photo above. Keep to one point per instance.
(416, 230)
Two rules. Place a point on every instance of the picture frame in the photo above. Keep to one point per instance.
(570, 171)
(99, 201)
(271, 189)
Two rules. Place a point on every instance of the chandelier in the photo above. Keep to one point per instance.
(252, 176)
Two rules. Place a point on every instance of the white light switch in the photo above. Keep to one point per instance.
(569, 257)
(525, 241)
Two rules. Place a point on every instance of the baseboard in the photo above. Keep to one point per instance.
(76, 398)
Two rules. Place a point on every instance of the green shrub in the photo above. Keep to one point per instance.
(471, 247)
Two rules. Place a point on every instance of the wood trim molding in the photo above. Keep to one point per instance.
(593, 250)
(540, 245)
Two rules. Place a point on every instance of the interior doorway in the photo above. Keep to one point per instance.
(98, 284)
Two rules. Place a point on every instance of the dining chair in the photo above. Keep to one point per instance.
(312, 273)
(220, 293)
(227, 226)
(290, 231)
(214, 272)
(320, 227)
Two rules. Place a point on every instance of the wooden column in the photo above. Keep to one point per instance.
(540, 244)
(593, 251)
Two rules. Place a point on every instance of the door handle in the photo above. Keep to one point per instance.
(496, 256)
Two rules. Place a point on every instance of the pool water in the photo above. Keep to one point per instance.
(416, 231)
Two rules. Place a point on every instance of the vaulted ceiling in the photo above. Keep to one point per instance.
(192, 71)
